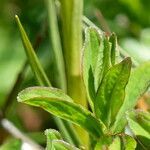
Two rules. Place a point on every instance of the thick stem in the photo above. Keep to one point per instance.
(71, 15)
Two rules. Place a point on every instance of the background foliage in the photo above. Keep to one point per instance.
(130, 20)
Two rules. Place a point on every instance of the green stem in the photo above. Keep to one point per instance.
(56, 42)
(71, 17)
(71, 13)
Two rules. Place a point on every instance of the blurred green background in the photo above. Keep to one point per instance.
(129, 19)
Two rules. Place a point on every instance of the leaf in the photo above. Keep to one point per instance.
(55, 141)
(129, 142)
(62, 145)
(51, 135)
(108, 142)
(58, 103)
(96, 61)
(90, 54)
(114, 50)
(139, 124)
(116, 144)
(31, 55)
(139, 82)
(111, 92)
(103, 142)
(12, 144)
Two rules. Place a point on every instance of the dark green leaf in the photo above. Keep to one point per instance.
(139, 82)
(114, 50)
(59, 104)
(111, 92)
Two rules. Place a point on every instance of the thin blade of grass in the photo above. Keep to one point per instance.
(56, 42)
(33, 59)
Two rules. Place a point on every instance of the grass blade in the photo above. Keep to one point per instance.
(33, 60)
(56, 42)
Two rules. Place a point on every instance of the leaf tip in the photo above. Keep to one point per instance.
(16, 16)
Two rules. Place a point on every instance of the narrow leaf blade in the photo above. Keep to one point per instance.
(31, 55)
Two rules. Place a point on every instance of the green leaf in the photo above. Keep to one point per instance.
(139, 82)
(59, 104)
(51, 135)
(139, 124)
(111, 92)
(129, 142)
(62, 145)
(109, 142)
(31, 55)
(116, 144)
(96, 61)
(114, 50)
(90, 56)
(55, 141)
(103, 142)
(11, 144)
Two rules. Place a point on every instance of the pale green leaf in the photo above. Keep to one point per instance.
(55, 141)
(96, 60)
(103, 142)
(116, 144)
(11, 144)
(110, 95)
(139, 82)
(31, 55)
(62, 145)
(90, 56)
(129, 142)
(139, 124)
(51, 135)
(58, 103)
